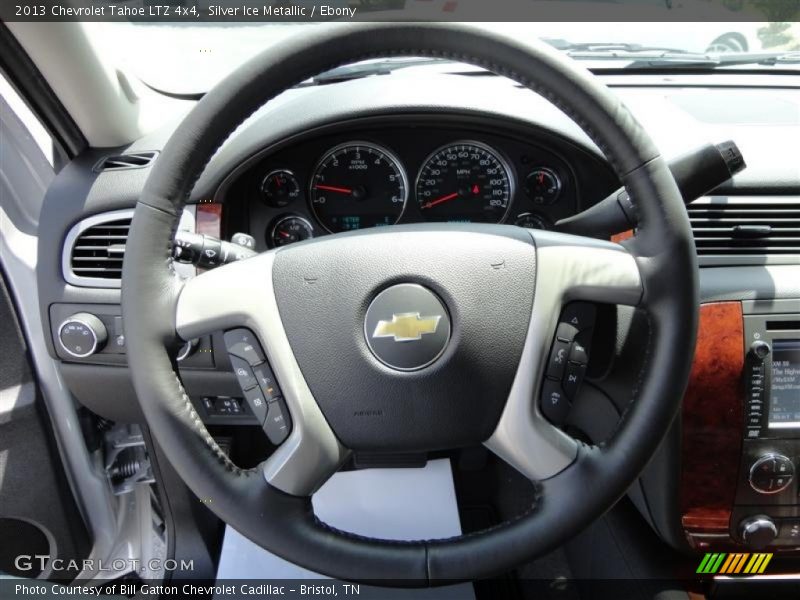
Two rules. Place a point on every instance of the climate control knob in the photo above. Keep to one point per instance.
(758, 532)
(82, 335)
(771, 473)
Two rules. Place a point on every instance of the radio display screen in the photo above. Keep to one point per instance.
(784, 403)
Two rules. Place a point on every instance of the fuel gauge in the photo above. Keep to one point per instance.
(531, 221)
(290, 229)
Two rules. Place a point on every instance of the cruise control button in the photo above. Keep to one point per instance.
(558, 359)
(554, 403)
(243, 373)
(266, 379)
(258, 404)
(242, 343)
(278, 422)
(573, 377)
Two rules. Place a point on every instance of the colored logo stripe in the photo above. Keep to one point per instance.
(734, 563)
(710, 563)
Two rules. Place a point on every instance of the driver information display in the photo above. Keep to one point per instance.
(785, 393)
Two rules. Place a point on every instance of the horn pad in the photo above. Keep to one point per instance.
(410, 337)
(407, 327)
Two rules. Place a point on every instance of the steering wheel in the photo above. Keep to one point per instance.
(331, 316)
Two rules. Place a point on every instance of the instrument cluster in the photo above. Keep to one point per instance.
(417, 173)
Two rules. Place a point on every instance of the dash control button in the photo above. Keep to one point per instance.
(771, 473)
(790, 529)
(242, 343)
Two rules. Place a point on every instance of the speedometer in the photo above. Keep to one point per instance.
(358, 185)
(465, 181)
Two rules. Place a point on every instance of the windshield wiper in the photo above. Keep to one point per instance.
(642, 56)
(703, 61)
(612, 49)
(368, 69)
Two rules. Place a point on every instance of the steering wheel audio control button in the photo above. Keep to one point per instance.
(578, 354)
(278, 423)
(242, 343)
(554, 403)
(558, 359)
(573, 377)
(580, 315)
(257, 403)
(566, 332)
(243, 373)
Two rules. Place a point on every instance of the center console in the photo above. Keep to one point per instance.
(741, 428)
(767, 511)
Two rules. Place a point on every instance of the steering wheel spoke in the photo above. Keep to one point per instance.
(241, 295)
(568, 268)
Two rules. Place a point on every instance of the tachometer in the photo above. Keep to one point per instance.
(358, 185)
(465, 181)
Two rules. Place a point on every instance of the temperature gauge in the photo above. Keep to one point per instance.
(543, 186)
(290, 229)
(280, 188)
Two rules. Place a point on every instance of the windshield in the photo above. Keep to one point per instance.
(189, 58)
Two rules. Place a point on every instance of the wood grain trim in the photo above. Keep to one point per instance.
(619, 237)
(208, 219)
(712, 420)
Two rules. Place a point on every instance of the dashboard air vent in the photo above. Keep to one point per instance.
(119, 162)
(94, 250)
(746, 226)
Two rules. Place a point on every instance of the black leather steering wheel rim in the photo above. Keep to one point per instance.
(567, 502)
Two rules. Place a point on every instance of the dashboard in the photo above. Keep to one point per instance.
(388, 171)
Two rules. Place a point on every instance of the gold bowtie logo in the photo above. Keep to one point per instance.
(406, 327)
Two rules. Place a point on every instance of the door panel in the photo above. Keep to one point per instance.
(38, 515)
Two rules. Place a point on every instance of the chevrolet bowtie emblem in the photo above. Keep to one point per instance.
(406, 327)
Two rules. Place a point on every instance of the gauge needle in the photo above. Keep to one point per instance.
(284, 234)
(333, 188)
(440, 200)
